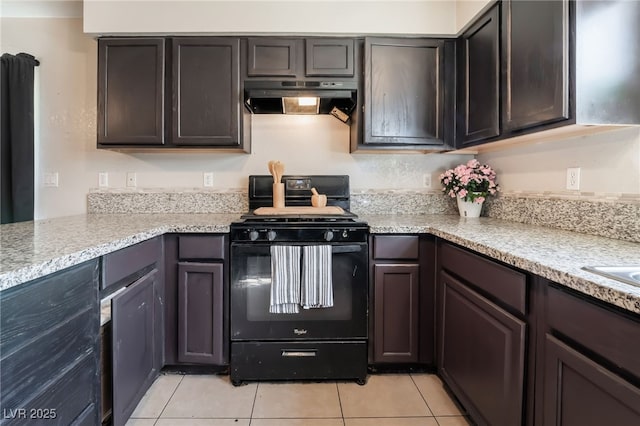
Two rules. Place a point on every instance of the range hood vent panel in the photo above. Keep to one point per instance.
(266, 97)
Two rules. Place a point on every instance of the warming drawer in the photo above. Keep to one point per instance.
(289, 360)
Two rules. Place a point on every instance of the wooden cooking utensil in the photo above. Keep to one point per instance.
(318, 200)
(272, 170)
(279, 169)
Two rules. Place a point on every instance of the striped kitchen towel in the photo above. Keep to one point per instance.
(317, 285)
(285, 280)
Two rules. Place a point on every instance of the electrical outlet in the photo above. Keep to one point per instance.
(207, 179)
(573, 178)
(131, 179)
(51, 179)
(426, 181)
(103, 179)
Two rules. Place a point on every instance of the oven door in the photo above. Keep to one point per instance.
(250, 298)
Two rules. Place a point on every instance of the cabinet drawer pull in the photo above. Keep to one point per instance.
(299, 354)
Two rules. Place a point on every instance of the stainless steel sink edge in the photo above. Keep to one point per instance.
(626, 274)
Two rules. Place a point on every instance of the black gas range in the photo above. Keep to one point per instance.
(327, 342)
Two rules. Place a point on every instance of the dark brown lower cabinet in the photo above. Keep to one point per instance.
(580, 392)
(196, 292)
(200, 313)
(481, 354)
(137, 343)
(49, 353)
(589, 357)
(396, 312)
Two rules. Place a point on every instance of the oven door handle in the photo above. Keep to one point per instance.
(299, 353)
(354, 248)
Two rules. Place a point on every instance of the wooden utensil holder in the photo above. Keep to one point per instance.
(278, 195)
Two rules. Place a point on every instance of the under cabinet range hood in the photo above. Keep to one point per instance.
(337, 98)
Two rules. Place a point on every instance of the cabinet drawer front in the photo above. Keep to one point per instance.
(609, 334)
(496, 280)
(395, 247)
(31, 310)
(36, 365)
(126, 262)
(202, 247)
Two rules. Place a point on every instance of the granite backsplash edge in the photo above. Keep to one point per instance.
(608, 215)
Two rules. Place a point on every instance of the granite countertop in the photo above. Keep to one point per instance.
(30, 250)
(33, 249)
(548, 252)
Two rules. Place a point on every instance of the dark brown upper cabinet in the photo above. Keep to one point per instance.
(479, 80)
(183, 92)
(131, 91)
(329, 57)
(552, 70)
(301, 58)
(404, 93)
(536, 60)
(272, 57)
(206, 89)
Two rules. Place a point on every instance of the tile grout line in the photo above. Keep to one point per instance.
(253, 406)
(423, 397)
(340, 403)
(169, 400)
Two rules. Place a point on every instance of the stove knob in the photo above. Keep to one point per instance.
(328, 235)
(345, 233)
(271, 235)
(253, 235)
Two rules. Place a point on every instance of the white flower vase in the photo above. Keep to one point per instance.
(469, 208)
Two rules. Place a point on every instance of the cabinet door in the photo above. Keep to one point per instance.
(396, 313)
(272, 57)
(136, 351)
(131, 91)
(206, 91)
(481, 354)
(200, 313)
(580, 392)
(404, 85)
(329, 57)
(479, 80)
(536, 62)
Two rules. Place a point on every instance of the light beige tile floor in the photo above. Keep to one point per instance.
(210, 400)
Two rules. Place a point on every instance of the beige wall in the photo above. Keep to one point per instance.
(466, 10)
(267, 16)
(609, 163)
(66, 140)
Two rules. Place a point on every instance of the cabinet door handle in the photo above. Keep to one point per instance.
(299, 354)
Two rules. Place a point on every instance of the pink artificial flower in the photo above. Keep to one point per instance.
(462, 193)
(479, 200)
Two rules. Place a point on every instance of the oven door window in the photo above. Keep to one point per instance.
(250, 298)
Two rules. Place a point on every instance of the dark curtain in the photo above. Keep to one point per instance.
(16, 138)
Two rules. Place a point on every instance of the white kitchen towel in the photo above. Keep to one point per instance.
(285, 280)
(317, 284)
